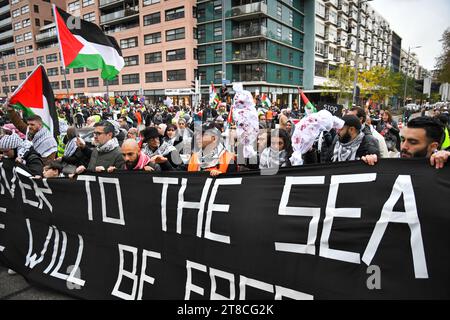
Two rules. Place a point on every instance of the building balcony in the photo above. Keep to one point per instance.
(5, 22)
(109, 3)
(242, 76)
(6, 34)
(45, 36)
(7, 46)
(255, 31)
(120, 16)
(249, 55)
(5, 9)
(245, 12)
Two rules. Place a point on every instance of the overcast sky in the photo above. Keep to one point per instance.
(418, 23)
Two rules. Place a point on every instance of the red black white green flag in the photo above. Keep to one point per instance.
(83, 44)
(35, 96)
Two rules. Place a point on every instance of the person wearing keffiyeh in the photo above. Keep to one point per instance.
(22, 152)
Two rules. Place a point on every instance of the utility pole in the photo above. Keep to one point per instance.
(358, 28)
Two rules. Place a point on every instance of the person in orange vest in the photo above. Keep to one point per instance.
(212, 156)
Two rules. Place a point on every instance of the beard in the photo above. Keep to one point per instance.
(419, 154)
(131, 164)
(345, 138)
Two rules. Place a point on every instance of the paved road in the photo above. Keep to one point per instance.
(17, 288)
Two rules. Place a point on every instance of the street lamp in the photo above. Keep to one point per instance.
(406, 72)
(358, 28)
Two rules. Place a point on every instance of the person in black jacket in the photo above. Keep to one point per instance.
(13, 147)
(352, 144)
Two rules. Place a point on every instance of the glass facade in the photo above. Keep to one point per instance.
(263, 43)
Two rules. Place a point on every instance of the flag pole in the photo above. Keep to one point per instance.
(107, 92)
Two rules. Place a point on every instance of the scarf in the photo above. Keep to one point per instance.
(71, 147)
(347, 151)
(210, 159)
(23, 148)
(163, 150)
(44, 143)
(271, 158)
(142, 161)
(108, 146)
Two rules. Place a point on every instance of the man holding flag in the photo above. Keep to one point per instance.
(309, 107)
(34, 97)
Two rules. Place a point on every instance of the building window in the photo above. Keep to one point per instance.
(278, 74)
(89, 17)
(152, 38)
(62, 70)
(150, 2)
(40, 60)
(74, 6)
(153, 57)
(25, 9)
(217, 7)
(279, 10)
(52, 72)
(22, 76)
(51, 57)
(37, 22)
(27, 36)
(130, 78)
(278, 53)
(11, 65)
(17, 26)
(131, 61)
(217, 31)
(92, 82)
(21, 63)
(78, 83)
(291, 75)
(176, 75)
(13, 77)
(175, 34)
(14, 1)
(78, 70)
(178, 54)
(19, 38)
(26, 23)
(87, 3)
(201, 33)
(54, 85)
(201, 13)
(36, 8)
(291, 57)
(153, 18)
(16, 13)
(63, 84)
(195, 32)
(320, 29)
(153, 76)
(20, 51)
(195, 54)
(218, 53)
(176, 13)
(217, 74)
(113, 82)
(129, 43)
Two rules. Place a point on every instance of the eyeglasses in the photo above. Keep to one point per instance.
(96, 133)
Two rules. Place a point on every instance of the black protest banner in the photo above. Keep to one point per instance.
(335, 109)
(342, 231)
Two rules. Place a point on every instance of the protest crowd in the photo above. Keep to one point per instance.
(166, 137)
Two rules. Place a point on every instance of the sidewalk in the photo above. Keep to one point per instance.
(15, 287)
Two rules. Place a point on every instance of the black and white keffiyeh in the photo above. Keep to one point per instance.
(271, 158)
(163, 150)
(44, 143)
(71, 147)
(347, 151)
(108, 146)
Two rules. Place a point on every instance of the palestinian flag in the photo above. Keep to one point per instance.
(265, 101)
(119, 100)
(103, 102)
(35, 96)
(230, 116)
(214, 98)
(83, 44)
(308, 104)
(127, 101)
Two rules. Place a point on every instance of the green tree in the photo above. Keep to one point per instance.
(443, 61)
(381, 83)
(341, 80)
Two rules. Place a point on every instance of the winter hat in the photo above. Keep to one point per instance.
(12, 141)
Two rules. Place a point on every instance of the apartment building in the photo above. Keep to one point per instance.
(157, 38)
(335, 30)
(263, 45)
(409, 64)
